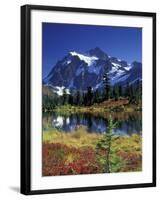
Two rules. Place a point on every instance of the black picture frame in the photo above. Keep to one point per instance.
(26, 98)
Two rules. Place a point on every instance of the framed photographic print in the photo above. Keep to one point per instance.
(88, 99)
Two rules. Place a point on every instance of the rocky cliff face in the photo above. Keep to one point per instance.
(77, 71)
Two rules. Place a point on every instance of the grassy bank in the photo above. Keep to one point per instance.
(76, 138)
(76, 153)
(121, 105)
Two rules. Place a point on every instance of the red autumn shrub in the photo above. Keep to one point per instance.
(133, 161)
(59, 159)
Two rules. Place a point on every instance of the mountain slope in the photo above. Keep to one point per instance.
(77, 71)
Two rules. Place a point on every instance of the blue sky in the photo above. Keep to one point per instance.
(59, 39)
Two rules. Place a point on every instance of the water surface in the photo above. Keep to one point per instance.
(128, 123)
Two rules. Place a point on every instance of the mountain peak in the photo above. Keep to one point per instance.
(98, 53)
(77, 71)
(87, 59)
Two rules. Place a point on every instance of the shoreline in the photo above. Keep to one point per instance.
(107, 106)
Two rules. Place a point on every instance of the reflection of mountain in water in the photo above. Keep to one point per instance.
(132, 124)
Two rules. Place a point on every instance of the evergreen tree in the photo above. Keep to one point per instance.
(106, 82)
(131, 94)
(116, 93)
(138, 93)
(78, 98)
(85, 99)
(127, 91)
(120, 91)
(96, 98)
(105, 144)
(70, 99)
(89, 98)
(64, 97)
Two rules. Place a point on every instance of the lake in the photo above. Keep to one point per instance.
(128, 123)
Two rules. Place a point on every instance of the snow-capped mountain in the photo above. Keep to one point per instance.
(77, 71)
